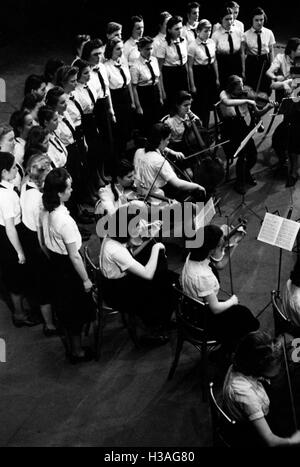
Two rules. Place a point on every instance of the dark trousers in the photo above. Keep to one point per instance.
(104, 126)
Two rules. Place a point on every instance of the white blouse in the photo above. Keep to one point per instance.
(114, 259)
(114, 75)
(131, 51)
(147, 165)
(31, 205)
(57, 151)
(63, 131)
(59, 230)
(141, 74)
(9, 204)
(267, 40)
(221, 39)
(82, 95)
(190, 32)
(169, 52)
(157, 42)
(73, 110)
(198, 279)
(95, 84)
(196, 50)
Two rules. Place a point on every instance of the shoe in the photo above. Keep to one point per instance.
(86, 357)
(153, 341)
(251, 180)
(20, 322)
(239, 188)
(291, 181)
(49, 332)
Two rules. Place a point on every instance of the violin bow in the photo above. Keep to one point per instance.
(207, 149)
(229, 258)
(184, 174)
(287, 370)
(154, 180)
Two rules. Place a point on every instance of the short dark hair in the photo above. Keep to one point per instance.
(30, 101)
(53, 95)
(259, 11)
(113, 27)
(292, 45)
(171, 22)
(179, 98)
(55, 182)
(224, 11)
(17, 120)
(89, 47)
(232, 5)
(51, 67)
(123, 167)
(211, 237)
(80, 65)
(162, 17)
(158, 132)
(33, 83)
(5, 128)
(111, 44)
(191, 6)
(45, 114)
(146, 40)
(6, 162)
(134, 19)
(35, 138)
(255, 353)
(231, 82)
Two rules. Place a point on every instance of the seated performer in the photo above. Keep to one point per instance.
(152, 168)
(291, 296)
(257, 358)
(235, 106)
(228, 321)
(131, 287)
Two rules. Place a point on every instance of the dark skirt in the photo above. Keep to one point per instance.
(105, 128)
(152, 109)
(12, 273)
(175, 79)
(229, 64)
(255, 64)
(38, 268)
(75, 307)
(206, 95)
(123, 128)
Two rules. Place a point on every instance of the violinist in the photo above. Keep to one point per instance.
(280, 69)
(235, 106)
(152, 169)
(257, 359)
(203, 71)
(259, 48)
(113, 195)
(228, 320)
(142, 290)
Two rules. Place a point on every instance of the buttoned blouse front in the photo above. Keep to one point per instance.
(63, 131)
(59, 230)
(114, 75)
(188, 32)
(196, 50)
(237, 24)
(140, 72)
(282, 63)
(131, 51)
(57, 151)
(9, 204)
(267, 40)
(198, 279)
(73, 110)
(169, 52)
(221, 39)
(147, 165)
(81, 94)
(95, 84)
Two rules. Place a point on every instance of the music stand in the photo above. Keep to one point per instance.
(243, 203)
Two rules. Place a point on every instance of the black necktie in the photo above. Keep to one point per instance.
(122, 74)
(71, 128)
(15, 189)
(101, 80)
(153, 77)
(258, 42)
(57, 143)
(194, 32)
(207, 51)
(179, 53)
(78, 106)
(231, 49)
(91, 95)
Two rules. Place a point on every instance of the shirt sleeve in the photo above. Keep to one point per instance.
(123, 259)
(250, 405)
(107, 202)
(191, 50)
(161, 50)
(69, 231)
(7, 206)
(134, 74)
(167, 173)
(275, 65)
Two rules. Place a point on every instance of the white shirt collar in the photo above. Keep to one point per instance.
(7, 184)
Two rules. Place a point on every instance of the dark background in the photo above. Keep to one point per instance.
(54, 19)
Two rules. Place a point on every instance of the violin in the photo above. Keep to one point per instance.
(240, 227)
(261, 98)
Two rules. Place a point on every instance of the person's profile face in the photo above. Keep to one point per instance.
(194, 15)
(204, 34)
(227, 22)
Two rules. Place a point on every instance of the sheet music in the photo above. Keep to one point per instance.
(278, 231)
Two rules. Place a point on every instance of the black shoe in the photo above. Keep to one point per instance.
(86, 357)
(20, 322)
(251, 180)
(291, 181)
(239, 188)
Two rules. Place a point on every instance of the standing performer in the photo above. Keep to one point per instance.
(22, 122)
(203, 72)
(172, 59)
(259, 48)
(237, 24)
(63, 241)
(121, 92)
(57, 151)
(164, 17)
(229, 47)
(145, 78)
(189, 30)
(131, 52)
(12, 257)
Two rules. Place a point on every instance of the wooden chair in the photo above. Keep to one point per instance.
(188, 309)
(104, 310)
(282, 324)
(223, 427)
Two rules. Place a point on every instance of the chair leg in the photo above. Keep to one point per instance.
(177, 355)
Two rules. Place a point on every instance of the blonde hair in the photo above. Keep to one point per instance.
(204, 23)
(38, 167)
